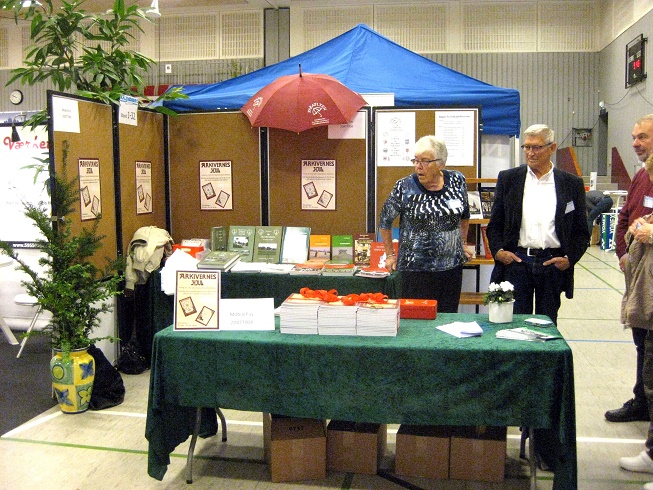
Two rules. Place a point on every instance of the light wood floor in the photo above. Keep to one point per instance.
(107, 449)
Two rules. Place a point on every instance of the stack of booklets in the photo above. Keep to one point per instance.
(298, 314)
(336, 319)
(378, 319)
(307, 269)
(339, 269)
(378, 272)
(219, 259)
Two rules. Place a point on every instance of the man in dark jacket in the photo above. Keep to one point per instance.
(538, 229)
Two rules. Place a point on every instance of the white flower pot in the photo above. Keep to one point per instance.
(500, 312)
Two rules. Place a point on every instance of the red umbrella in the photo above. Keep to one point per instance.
(301, 102)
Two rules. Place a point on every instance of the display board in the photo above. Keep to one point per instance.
(335, 201)
(208, 142)
(397, 129)
(18, 185)
(75, 124)
(142, 175)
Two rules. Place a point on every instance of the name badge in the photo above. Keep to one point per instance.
(570, 207)
(648, 202)
(455, 204)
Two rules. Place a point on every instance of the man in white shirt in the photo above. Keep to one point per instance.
(538, 229)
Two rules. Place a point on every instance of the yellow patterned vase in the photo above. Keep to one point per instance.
(72, 380)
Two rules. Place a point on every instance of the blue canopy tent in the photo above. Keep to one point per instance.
(368, 62)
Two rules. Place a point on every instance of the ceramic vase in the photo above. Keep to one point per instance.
(72, 380)
(500, 312)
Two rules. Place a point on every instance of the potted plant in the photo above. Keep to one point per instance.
(71, 287)
(500, 299)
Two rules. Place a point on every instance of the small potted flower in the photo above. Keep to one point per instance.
(500, 299)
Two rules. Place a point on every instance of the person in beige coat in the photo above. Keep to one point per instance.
(637, 312)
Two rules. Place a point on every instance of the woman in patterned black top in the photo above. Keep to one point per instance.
(433, 220)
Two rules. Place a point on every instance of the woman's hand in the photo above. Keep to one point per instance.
(391, 263)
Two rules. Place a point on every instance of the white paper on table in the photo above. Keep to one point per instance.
(178, 261)
(247, 314)
(462, 329)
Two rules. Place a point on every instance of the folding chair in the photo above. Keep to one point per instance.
(27, 300)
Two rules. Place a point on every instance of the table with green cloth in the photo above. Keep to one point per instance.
(422, 376)
(154, 309)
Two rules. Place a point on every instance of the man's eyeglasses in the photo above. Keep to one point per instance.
(415, 161)
(535, 148)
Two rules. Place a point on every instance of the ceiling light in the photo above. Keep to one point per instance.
(153, 12)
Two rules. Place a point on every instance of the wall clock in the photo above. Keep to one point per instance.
(16, 97)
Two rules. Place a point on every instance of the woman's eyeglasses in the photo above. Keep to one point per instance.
(415, 161)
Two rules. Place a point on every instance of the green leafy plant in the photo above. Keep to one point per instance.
(503, 292)
(69, 285)
(84, 53)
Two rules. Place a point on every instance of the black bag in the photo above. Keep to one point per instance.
(131, 361)
(108, 388)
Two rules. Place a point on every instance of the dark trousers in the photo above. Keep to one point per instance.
(532, 279)
(647, 378)
(443, 286)
(639, 337)
(603, 206)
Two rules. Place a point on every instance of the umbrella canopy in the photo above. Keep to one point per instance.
(301, 102)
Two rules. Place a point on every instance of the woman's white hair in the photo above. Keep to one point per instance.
(432, 145)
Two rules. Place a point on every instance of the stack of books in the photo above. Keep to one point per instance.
(378, 319)
(307, 269)
(378, 272)
(298, 314)
(219, 260)
(339, 269)
(336, 319)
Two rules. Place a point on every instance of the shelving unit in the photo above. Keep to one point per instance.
(476, 297)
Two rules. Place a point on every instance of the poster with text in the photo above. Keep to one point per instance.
(318, 185)
(89, 188)
(216, 185)
(18, 185)
(457, 128)
(197, 297)
(143, 187)
(395, 138)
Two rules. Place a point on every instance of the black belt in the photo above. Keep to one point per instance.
(540, 252)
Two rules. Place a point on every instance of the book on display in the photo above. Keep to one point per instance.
(219, 259)
(241, 239)
(474, 200)
(219, 238)
(267, 244)
(487, 200)
(319, 249)
(362, 248)
(294, 246)
(307, 269)
(298, 314)
(338, 269)
(342, 249)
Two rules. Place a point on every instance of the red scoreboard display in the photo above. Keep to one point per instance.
(635, 57)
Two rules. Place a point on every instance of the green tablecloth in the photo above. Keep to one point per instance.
(422, 376)
(154, 309)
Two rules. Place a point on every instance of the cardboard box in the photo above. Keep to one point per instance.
(354, 447)
(423, 309)
(423, 451)
(596, 235)
(478, 453)
(295, 448)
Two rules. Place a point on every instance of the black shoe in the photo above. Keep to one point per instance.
(631, 411)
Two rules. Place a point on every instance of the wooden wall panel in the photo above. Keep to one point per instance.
(93, 141)
(207, 137)
(142, 143)
(287, 150)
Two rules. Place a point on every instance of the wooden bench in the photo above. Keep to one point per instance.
(471, 298)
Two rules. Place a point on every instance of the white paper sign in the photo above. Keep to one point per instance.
(128, 110)
(247, 314)
(197, 298)
(89, 188)
(395, 138)
(65, 115)
(457, 129)
(353, 130)
(216, 185)
(143, 187)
